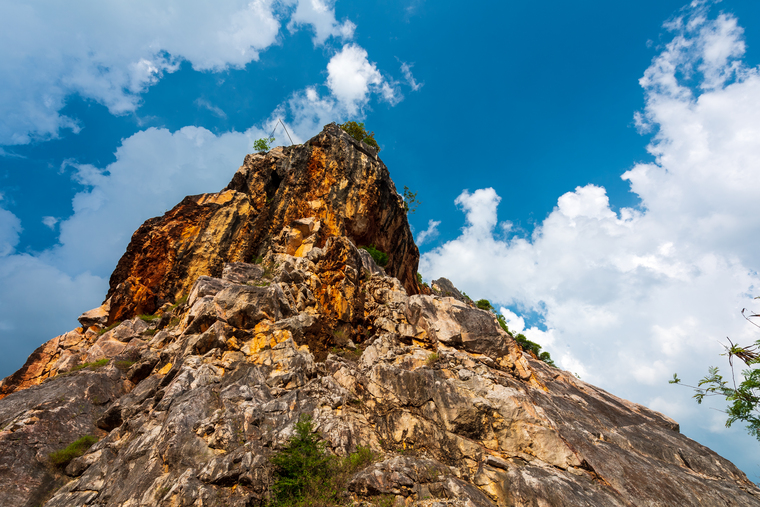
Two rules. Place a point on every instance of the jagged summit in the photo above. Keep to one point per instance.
(190, 402)
(332, 178)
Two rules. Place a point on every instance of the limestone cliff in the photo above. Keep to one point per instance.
(190, 403)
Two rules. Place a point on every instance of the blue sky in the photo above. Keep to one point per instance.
(587, 166)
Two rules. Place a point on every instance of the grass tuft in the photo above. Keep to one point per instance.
(75, 449)
(93, 365)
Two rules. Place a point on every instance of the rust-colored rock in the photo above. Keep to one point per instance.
(331, 178)
(190, 405)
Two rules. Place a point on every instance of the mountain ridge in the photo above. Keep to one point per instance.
(236, 313)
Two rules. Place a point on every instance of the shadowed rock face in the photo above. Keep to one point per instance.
(191, 405)
(332, 178)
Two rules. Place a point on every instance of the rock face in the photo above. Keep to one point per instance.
(190, 405)
(332, 179)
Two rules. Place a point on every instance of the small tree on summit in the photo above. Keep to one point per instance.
(358, 132)
(263, 144)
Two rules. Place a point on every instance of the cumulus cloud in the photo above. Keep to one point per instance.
(10, 228)
(429, 233)
(50, 222)
(72, 276)
(352, 82)
(112, 54)
(351, 79)
(320, 15)
(628, 298)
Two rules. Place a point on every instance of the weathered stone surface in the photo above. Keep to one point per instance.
(191, 405)
(444, 287)
(95, 317)
(330, 186)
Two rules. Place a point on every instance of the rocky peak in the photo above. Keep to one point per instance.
(332, 179)
(190, 404)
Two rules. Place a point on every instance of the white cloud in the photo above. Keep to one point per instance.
(320, 14)
(215, 110)
(351, 79)
(10, 228)
(629, 298)
(153, 171)
(406, 70)
(50, 222)
(111, 52)
(429, 233)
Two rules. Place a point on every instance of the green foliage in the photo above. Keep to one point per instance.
(181, 301)
(93, 365)
(384, 500)
(305, 474)
(484, 304)
(75, 449)
(743, 399)
(149, 318)
(503, 323)
(380, 258)
(522, 341)
(358, 132)
(107, 329)
(433, 358)
(410, 200)
(263, 144)
(534, 348)
(125, 364)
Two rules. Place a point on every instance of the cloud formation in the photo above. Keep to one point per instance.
(111, 54)
(320, 15)
(406, 70)
(629, 298)
(351, 78)
(72, 276)
(429, 233)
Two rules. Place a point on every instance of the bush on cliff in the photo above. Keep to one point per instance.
(263, 144)
(305, 474)
(525, 344)
(380, 258)
(358, 132)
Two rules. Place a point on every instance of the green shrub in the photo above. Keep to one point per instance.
(75, 449)
(524, 343)
(380, 258)
(302, 468)
(503, 323)
(358, 132)
(306, 474)
(432, 359)
(263, 144)
(484, 304)
(149, 318)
